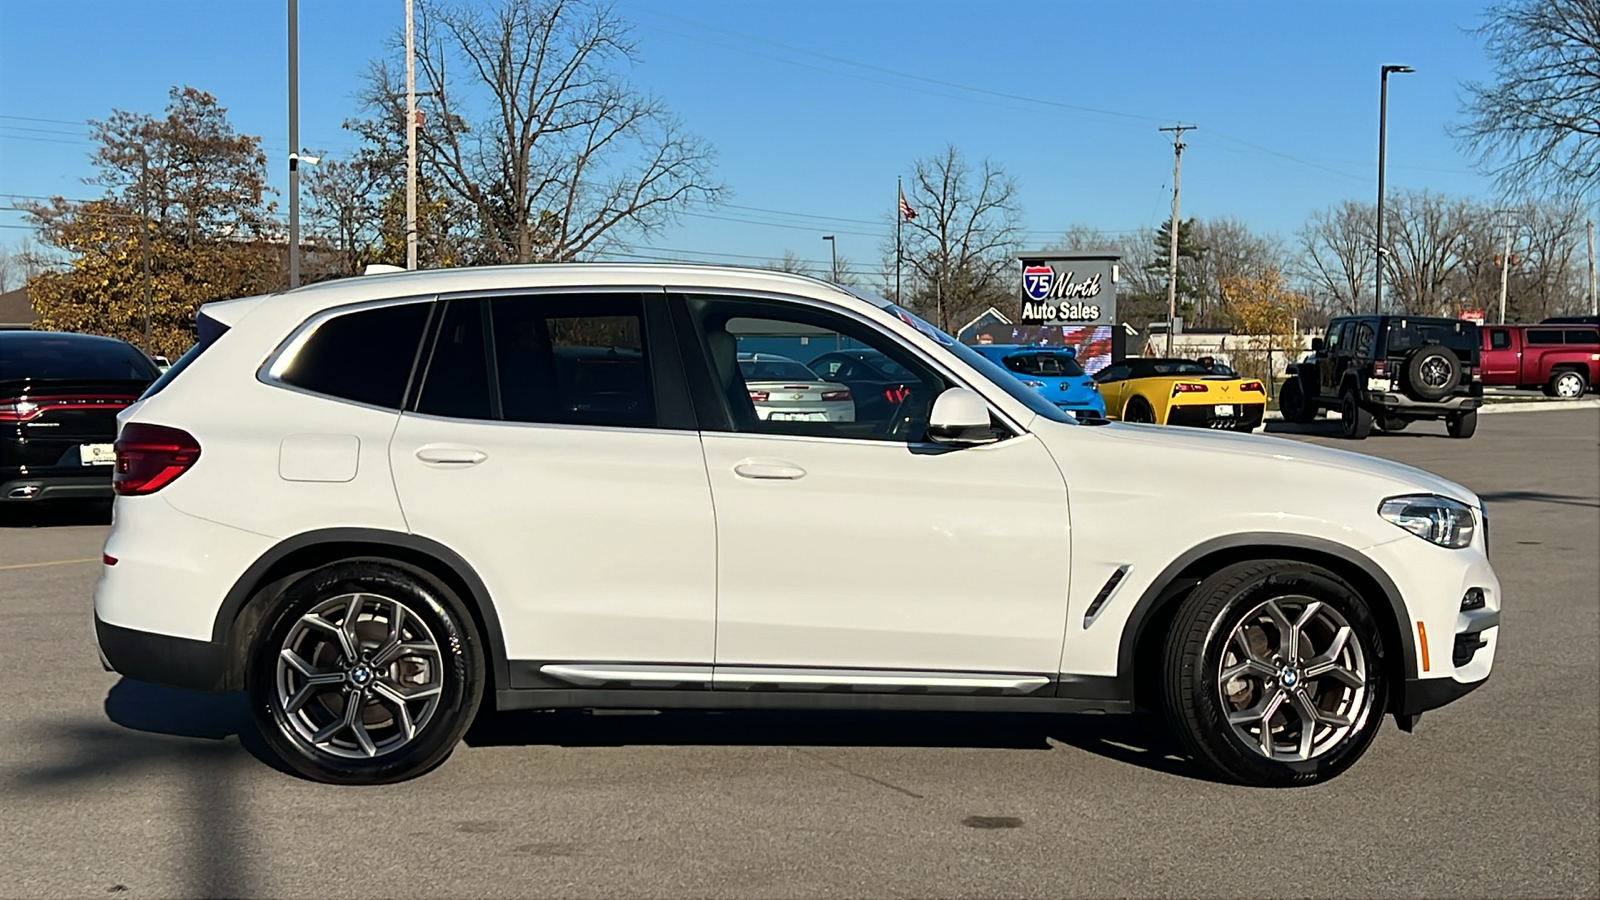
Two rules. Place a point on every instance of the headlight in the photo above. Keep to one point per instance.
(1436, 519)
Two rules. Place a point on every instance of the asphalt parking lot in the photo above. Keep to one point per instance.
(111, 786)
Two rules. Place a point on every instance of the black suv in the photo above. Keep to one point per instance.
(1389, 371)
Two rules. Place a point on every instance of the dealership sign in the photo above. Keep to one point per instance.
(1069, 288)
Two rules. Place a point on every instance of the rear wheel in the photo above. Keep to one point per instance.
(1462, 425)
(1273, 674)
(1294, 404)
(1568, 384)
(1394, 423)
(1355, 419)
(365, 673)
(1139, 410)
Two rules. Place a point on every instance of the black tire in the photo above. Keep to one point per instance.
(1393, 423)
(1463, 425)
(378, 748)
(1139, 410)
(1294, 404)
(1431, 373)
(1355, 419)
(1568, 384)
(1201, 642)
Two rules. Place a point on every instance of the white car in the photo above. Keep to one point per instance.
(377, 503)
(783, 389)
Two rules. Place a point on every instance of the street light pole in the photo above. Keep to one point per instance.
(1383, 126)
(834, 247)
(1505, 266)
(411, 144)
(294, 143)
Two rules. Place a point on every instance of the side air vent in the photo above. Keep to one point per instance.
(1104, 595)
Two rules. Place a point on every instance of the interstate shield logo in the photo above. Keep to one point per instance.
(1037, 281)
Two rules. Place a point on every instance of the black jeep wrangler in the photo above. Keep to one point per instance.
(1389, 371)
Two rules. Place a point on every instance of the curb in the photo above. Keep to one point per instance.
(1486, 409)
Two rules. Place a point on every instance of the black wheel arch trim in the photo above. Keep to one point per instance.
(1151, 601)
(478, 593)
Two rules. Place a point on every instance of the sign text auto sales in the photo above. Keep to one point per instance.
(1044, 287)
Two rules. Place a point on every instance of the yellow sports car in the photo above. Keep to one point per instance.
(1181, 392)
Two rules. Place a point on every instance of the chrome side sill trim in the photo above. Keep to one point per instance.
(599, 674)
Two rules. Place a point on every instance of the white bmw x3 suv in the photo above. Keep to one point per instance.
(377, 503)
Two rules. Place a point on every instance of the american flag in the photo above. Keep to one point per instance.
(906, 212)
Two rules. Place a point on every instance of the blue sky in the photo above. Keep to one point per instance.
(815, 108)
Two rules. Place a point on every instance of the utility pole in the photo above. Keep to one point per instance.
(1505, 267)
(1172, 264)
(294, 144)
(1592, 308)
(411, 144)
(1383, 131)
(144, 235)
(833, 247)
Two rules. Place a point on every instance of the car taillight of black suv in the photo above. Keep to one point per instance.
(59, 398)
(1390, 371)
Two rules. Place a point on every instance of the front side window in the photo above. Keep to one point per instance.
(753, 351)
(364, 356)
(576, 360)
(1499, 339)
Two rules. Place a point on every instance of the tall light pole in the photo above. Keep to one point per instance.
(1505, 263)
(411, 144)
(294, 143)
(834, 247)
(1383, 125)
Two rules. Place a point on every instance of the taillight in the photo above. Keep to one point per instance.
(1380, 369)
(835, 396)
(20, 409)
(1252, 386)
(1188, 387)
(759, 396)
(897, 394)
(150, 457)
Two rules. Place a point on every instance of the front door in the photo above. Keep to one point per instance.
(551, 448)
(847, 543)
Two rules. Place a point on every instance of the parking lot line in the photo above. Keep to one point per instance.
(53, 562)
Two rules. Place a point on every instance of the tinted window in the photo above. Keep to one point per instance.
(1408, 334)
(59, 357)
(1056, 364)
(1499, 339)
(1112, 373)
(456, 380)
(1363, 340)
(896, 410)
(1543, 336)
(573, 360)
(1583, 336)
(362, 356)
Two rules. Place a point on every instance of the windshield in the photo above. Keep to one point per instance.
(775, 370)
(1043, 363)
(991, 370)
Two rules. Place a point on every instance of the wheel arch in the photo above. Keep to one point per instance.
(1144, 633)
(245, 603)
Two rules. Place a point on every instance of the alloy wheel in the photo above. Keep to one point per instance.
(358, 676)
(1293, 679)
(1435, 371)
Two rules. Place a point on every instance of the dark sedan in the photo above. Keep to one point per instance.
(59, 398)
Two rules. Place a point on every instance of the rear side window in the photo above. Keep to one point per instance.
(1544, 336)
(363, 356)
(456, 382)
(57, 358)
(1586, 336)
(577, 360)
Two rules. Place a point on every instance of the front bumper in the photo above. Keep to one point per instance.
(1418, 695)
(162, 659)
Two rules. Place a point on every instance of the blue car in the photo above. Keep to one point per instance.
(1051, 371)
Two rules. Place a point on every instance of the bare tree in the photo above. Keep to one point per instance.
(958, 250)
(1336, 257)
(530, 124)
(1547, 279)
(790, 262)
(1424, 233)
(1538, 124)
(1232, 252)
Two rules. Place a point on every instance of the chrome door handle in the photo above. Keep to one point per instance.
(440, 454)
(769, 471)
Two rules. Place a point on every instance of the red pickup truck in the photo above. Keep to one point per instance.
(1563, 360)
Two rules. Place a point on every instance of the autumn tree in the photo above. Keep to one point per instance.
(185, 195)
(1265, 313)
(530, 125)
(958, 251)
(1535, 124)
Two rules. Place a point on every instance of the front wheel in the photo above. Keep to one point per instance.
(1293, 402)
(1273, 674)
(1354, 419)
(365, 672)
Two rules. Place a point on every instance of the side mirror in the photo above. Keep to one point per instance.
(1316, 345)
(960, 417)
